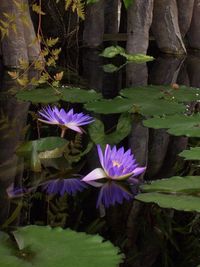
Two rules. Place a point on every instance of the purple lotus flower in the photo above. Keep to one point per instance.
(61, 186)
(116, 165)
(64, 119)
(112, 193)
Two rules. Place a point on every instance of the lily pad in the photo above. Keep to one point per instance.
(178, 202)
(50, 95)
(112, 51)
(178, 124)
(176, 184)
(192, 154)
(46, 247)
(77, 95)
(45, 96)
(108, 106)
(167, 92)
(139, 105)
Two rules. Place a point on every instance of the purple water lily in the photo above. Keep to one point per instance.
(116, 165)
(64, 119)
(61, 186)
(112, 193)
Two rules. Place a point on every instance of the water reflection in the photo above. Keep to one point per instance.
(13, 117)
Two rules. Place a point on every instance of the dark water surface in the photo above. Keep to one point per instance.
(154, 148)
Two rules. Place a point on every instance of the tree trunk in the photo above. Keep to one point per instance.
(20, 44)
(194, 31)
(94, 24)
(165, 27)
(139, 18)
(185, 10)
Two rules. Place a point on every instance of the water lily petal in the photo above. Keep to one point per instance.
(96, 174)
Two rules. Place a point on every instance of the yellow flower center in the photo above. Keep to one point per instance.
(116, 163)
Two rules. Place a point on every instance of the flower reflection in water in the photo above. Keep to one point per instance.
(117, 165)
(61, 186)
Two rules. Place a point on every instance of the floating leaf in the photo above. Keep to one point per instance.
(45, 96)
(178, 124)
(139, 105)
(47, 247)
(77, 95)
(178, 202)
(192, 154)
(167, 92)
(50, 95)
(98, 136)
(108, 106)
(176, 184)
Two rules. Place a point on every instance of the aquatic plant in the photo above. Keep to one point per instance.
(116, 165)
(64, 119)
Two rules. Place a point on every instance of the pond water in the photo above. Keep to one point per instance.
(155, 149)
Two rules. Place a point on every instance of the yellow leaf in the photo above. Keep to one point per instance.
(37, 9)
(58, 76)
(23, 64)
(38, 65)
(51, 41)
(13, 74)
(23, 81)
(51, 62)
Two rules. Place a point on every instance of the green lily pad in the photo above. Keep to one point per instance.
(108, 106)
(45, 96)
(166, 92)
(98, 136)
(46, 247)
(142, 106)
(50, 95)
(77, 95)
(178, 124)
(192, 154)
(176, 184)
(178, 202)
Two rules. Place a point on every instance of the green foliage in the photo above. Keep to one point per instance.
(108, 106)
(166, 92)
(43, 246)
(178, 202)
(112, 51)
(176, 184)
(50, 95)
(140, 105)
(178, 124)
(98, 136)
(181, 193)
(31, 150)
(192, 154)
